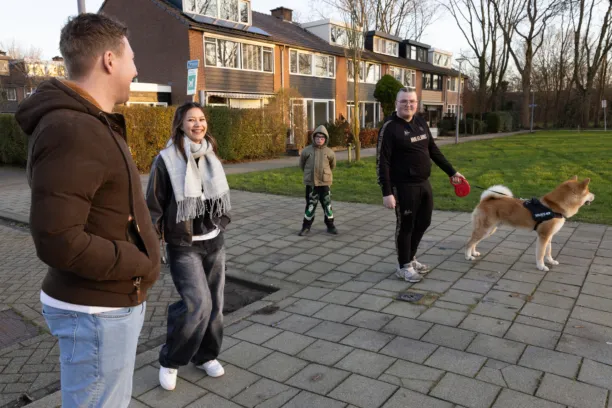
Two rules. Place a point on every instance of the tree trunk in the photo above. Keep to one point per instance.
(525, 114)
(356, 113)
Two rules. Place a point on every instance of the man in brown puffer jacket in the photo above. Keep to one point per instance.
(88, 218)
(317, 162)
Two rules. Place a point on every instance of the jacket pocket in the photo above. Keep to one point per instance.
(327, 176)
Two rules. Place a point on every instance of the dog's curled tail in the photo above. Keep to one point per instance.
(496, 192)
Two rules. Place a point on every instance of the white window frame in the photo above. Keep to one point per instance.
(404, 72)
(378, 117)
(217, 17)
(347, 45)
(451, 84)
(331, 64)
(264, 48)
(362, 71)
(305, 101)
(380, 46)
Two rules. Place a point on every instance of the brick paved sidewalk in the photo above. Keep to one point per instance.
(496, 332)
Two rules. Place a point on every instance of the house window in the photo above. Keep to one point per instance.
(432, 82)
(30, 91)
(422, 54)
(231, 54)
(305, 64)
(227, 54)
(9, 94)
(340, 36)
(217, 101)
(251, 57)
(301, 63)
(232, 10)
(369, 113)
(318, 111)
(210, 47)
(451, 84)
(4, 67)
(320, 65)
(406, 76)
(268, 59)
(369, 72)
(244, 12)
(386, 47)
(293, 62)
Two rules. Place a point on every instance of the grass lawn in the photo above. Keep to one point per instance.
(530, 165)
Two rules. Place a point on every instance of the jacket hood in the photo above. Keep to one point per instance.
(322, 130)
(50, 96)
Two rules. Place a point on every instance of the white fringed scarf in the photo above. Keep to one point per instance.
(196, 183)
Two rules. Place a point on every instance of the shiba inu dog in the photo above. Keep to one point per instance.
(546, 216)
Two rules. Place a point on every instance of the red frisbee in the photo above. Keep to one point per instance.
(462, 188)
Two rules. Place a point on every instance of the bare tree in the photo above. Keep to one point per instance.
(402, 18)
(355, 14)
(591, 48)
(473, 19)
(18, 51)
(523, 24)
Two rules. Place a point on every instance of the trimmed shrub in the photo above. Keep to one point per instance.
(13, 142)
(386, 93)
(338, 133)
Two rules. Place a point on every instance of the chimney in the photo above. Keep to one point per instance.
(283, 13)
(58, 58)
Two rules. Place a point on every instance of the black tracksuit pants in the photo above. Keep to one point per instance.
(413, 209)
(314, 195)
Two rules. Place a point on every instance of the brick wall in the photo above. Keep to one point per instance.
(160, 43)
(196, 52)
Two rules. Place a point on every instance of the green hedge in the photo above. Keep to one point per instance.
(13, 142)
(242, 134)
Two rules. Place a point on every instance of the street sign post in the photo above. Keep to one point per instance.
(192, 76)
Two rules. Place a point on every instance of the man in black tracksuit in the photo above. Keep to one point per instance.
(403, 165)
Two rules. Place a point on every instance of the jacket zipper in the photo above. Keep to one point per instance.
(137, 286)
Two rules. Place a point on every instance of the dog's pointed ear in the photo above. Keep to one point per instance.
(575, 178)
(585, 182)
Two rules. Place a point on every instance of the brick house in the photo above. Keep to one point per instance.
(245, 57)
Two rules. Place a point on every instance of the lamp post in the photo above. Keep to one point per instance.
(460, 61)
(81, 6)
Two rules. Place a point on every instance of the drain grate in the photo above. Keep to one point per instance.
(14, 329)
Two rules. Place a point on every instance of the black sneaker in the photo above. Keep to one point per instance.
(332, 230)
(304, 231)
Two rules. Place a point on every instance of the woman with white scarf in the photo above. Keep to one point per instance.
(189, 200)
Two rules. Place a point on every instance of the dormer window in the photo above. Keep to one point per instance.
(238, 11)
(387, 47)
(340, 36)
(441, 59)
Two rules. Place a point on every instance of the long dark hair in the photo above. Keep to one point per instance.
(177, 131)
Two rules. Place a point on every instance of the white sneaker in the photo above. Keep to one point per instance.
(213, 368)
(167, 378)
(419, 267)
(408, 274)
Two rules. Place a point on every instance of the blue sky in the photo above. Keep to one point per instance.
(38, 22)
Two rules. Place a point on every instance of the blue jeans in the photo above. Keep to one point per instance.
(97, 354)
(195, 323)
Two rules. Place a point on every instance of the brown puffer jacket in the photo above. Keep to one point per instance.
(88, 216)
(317, 162)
